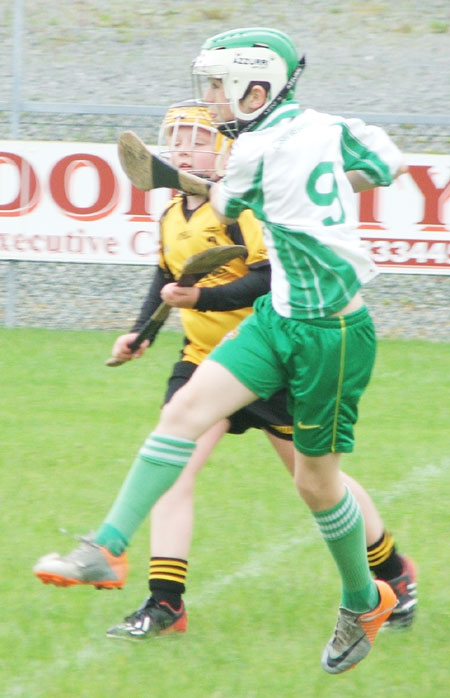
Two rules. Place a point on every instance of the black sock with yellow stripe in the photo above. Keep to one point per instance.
(167, 577)
(384, 561)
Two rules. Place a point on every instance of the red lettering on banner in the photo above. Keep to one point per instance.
(139, 205)
(20, 242)
(111, 246)
(75, 244)
(411, 252)
(368, 210)
(108, 191)
(142, 243)
(33, 242)
(434, 197)
(54, 243)
(28, 191)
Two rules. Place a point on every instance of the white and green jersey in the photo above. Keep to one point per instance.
(291, 172)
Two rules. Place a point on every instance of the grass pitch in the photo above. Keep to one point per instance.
(262, 589)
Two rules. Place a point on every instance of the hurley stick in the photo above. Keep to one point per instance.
(148, 171)
(194, 269)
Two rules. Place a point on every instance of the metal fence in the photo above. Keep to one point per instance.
(33, 119)
(85, 296)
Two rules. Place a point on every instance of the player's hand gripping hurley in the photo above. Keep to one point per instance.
(194, 269)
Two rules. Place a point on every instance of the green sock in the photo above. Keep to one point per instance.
(111, 538)
(156, 468)
(342, 527)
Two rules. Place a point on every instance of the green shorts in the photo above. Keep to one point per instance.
(325, 364)
(271, 415)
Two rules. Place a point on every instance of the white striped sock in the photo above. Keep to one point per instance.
(337, 522)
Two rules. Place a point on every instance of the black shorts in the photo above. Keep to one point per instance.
(271, 415)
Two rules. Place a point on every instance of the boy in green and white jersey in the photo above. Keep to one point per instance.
(292, 172)
(312, 333)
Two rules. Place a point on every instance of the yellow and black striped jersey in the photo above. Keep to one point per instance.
(184, 233)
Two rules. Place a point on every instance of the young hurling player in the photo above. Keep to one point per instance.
(188, 226)
(313, 332)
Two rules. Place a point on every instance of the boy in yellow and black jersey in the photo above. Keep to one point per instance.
(221, 299)
(184, 232)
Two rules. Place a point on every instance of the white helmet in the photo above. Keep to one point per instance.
(243, 57)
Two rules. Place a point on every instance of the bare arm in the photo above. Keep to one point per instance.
(360, 182)
(214, 199)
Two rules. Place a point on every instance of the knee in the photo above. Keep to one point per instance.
(308, 486)
(318, 480)
(306, 475)
(177, 409)
(182, 416)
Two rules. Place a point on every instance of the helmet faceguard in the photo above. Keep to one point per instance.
(243, 57)
(198, 118)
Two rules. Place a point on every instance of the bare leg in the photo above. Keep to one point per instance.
(193, 409)
(372, 520)
(172, 516)
(285, 450)
(319, 480)
(340, 521)
(186, 415)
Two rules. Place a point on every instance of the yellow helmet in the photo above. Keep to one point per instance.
(191, 113)
(188, 113)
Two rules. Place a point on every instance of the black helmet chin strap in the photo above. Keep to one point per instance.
(233, 128)
(242, 127)
(229, 128)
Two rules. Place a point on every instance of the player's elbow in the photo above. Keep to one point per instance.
(214, 200)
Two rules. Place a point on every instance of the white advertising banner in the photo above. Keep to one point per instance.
(407, 226)
(71, 202)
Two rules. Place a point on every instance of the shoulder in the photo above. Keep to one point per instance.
(320, 118)
(245, 227)
(246, 152)
(247, 143)
(174, 203)
(247, 219)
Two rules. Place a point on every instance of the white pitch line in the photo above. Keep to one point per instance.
(254, 567)
(417, 477)
(258, 563)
